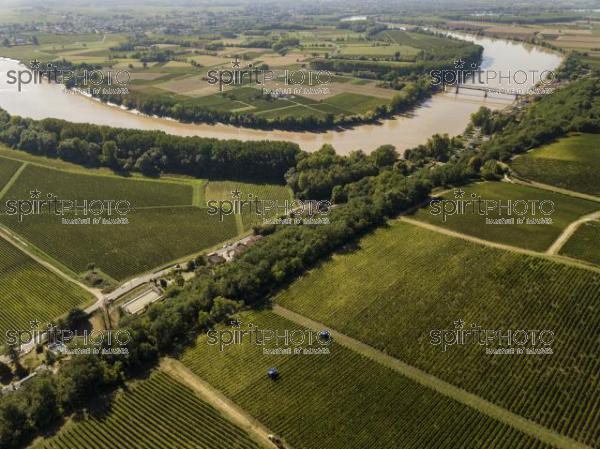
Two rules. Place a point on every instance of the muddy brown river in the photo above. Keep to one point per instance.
(444, 113)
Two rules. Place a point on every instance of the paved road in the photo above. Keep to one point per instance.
(423, 378)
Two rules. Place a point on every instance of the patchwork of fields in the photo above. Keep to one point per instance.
(30, 292)
(571, 163)
(403, 282)
(177, 72)
(168, 218)
(321, 401)
(155, 413)
(531, 236)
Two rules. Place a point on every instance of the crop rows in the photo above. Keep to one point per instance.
(80, 186)
(405, 282)
(585, 243)
(221, 190)
(343, 400)
(30, 292)
(156, 413)
(8, 167)
(151, 238)
(562, 211)
(571, 163)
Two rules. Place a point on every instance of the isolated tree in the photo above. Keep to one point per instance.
(75, 319)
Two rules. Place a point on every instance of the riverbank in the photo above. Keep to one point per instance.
(443, 113)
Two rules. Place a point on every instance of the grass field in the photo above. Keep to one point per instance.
(585, 243)
(163, 225)
(29, 291)
(342, 400)
(403, 282)
(531, 236)
(155, 413)
(571, 163)
(222, 191)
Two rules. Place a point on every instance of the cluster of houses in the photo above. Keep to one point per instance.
(230, 252)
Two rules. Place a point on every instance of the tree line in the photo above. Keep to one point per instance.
(382, 185)
(149, 152)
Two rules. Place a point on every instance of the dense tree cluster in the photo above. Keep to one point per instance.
(575, 107)
(381, 186)
(149, 152)
(316, 174)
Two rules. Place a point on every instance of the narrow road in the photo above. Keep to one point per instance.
(218, 400)
(423, 378)
(569, 231)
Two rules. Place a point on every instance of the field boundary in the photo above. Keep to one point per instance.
(569, 231)
(516, 249)
(96, 293)
(526, 182)
(94, 171)
(13, 179)
(440, 386)
(218, 400)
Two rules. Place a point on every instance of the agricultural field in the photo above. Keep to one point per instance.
(158, 412)
(80, 187)
(342, 399)
(535, 236)
(278, 194)
(165, 222)
(403, 282)
(576, 35)
(30, 291)
(174, 72)
(584, 243)
(571, 163)
(151, 238)
(7, 170)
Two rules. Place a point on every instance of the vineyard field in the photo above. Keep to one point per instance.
(8, 167)
(222, 191)
(342, 400)
(584, 243)
(537, 237)
(78, 186)
(571, 163)
(29, 292)
(158, 412)
(162, 224)
(152, 237)
(405, 282)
